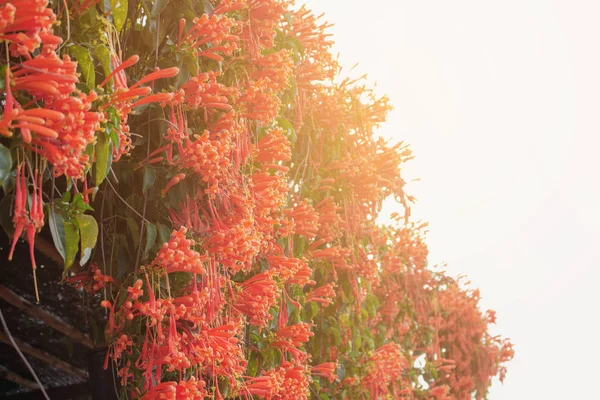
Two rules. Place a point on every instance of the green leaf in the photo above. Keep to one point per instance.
(103, 55)
(134, 231)
(123, 262)
(79, 205)
(165, 233)
(253, 364)
(149, 178)
(337, 336)
(5, 164)
(88, 232)
(268, 357)
(85, 63)
(57, 229)
(114, 135)
(103, 157)
(71, 244)
(357, 342)
(150, 236)
(286, 125)
(119, 13)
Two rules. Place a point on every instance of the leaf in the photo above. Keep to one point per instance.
(337, 336)
(253, 364)
(71, 244)
(149, 178)
(208, 7)
(103, 55)
(357, 342)
(88, 232)
(85, 63)
(268, 357)
(79, 205)
(5, 164)
(119, 13)
(150, 236)
(165, 233)
(114, 135)
(285, 124)
(5, 216)
(57, 230)
(103, 157)
(123, 262)
(134, 231)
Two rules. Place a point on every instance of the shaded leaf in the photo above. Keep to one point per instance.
(85, 64)
(134, 231)
(149, 178)
(57, 230)
(164, 232)
(103, 55)
(150, 236)
(88, 232)
(71, 244)
(5, 164)
(5, 216)
(103, 157)
(253, 364)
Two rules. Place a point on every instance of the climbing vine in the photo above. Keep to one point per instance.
(211, 180)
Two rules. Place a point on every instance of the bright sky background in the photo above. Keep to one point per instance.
(501, 103)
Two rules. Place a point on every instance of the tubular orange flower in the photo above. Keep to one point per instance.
(177, 255)
(258, 294)
(174, 181)
(212, 30)
(385, 365)
(326, 370)
(162, 98)
(266, 386)
(273, 147)
(295, 382)
(323, 295)
(160, 74)
(125, 64)
(290, 338)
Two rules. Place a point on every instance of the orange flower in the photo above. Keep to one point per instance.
(323, 295)
(177, 255)
(326, 370)
(258, 294)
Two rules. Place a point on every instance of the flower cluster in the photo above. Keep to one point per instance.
(177, 255)
(240, 180)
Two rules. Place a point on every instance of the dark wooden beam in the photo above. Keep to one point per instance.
(11, 376)
(37, 312)
(45, 357)
(70, 392)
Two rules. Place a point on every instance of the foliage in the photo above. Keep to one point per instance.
(205, 165)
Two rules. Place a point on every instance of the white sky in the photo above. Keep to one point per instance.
(501, 103)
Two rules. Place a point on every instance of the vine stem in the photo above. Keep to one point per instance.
(29, 367)
(139, 252)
